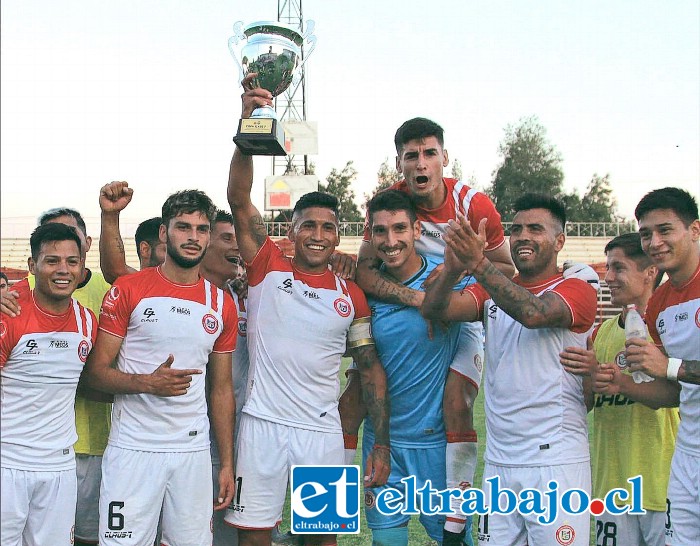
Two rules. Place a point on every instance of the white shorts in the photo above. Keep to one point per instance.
(515, 529)
(684, 499)
(137, 484)
(37, 508)
(87, 514)
(265, 453)
(631, 530)
(469, 359)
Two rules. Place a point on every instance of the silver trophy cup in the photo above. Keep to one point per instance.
(272, 50)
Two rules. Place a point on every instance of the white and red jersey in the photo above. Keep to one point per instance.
(297, 327)
(535, 410)
(673, 319)
(156, 318)
(41, 358)
(460, 199)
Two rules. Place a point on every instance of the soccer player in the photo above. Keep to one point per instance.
(167, 328)
(670, 231)
(629, 422)
(4, 282)
(535, 411)
(300, 316)
(42, 354)
(421, 158)
(114, 198)
(416, 367)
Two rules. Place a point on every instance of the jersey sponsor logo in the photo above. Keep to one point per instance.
(58, 344)
(311, 295)
(83, 351)
(325, 500)
(661, 327)
(180, 310)
(430, 233)
(31, 348)
(492, 311)
(612, 400)
(565, 535)
(680, 317)
(242, 326)
(342, 307)
(286, 286)
(149, 315)
(210, 323)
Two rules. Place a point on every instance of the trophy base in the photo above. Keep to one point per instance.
(260, 136)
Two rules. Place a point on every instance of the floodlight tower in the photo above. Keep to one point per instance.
(291, 105)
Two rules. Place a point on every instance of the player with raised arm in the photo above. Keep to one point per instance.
(629, 418)
(535, 410)
(300, 316)
(42, 354)
(421, 158)
(165, 327)
(670, 231)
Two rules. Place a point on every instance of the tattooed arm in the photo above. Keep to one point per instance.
(374, 284)
(376, 399)
(114, 197)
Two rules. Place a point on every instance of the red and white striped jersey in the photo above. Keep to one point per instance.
(297, 328)
(156, 318)
(41, 358)
(460, 199)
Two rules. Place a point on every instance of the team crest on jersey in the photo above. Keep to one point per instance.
(565, 535)
(72, 535)
(342, 307)
(112, 296)
(620, 360)
(3, 329)
(242, 326)
(210, 323)
(697, 318)
(369, 499)
(83, 351)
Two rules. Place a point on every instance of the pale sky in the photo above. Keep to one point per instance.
(147, 92)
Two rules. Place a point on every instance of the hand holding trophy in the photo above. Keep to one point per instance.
(272, 51)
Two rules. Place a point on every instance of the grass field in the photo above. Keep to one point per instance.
(416, 534)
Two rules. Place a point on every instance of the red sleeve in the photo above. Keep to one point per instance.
(258, 268)
(482, 207)
(7, 341)
(226, 342)
(594, 334)
(479, 294)
(359, 301)
(116, 307)
(582, 300)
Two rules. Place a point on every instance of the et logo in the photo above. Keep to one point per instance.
(325, 499)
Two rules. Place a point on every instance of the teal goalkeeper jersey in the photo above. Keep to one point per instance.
(416, 367)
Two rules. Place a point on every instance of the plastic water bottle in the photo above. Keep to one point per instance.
(635, 327)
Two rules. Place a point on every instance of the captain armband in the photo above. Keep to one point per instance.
(360, 333)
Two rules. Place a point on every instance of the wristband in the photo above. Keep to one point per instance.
(674, 364)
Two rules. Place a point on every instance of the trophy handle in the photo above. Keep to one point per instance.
(238, 35)
(310, 38)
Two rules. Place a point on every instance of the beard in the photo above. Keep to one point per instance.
(181, 261)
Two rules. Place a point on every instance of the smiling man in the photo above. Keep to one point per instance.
(167, 328)
(301, 317)
(535, 410)
(42, 354)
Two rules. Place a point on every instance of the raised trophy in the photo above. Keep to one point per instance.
(273, 51)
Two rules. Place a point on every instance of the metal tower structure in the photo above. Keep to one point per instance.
(291, 105)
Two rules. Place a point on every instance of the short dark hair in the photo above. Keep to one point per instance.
(51, 232)
(223, 216)
(316, 199)
(148, 231)
(531, 201)
(52, 214)
(2, 275)
(417, 129)
(188, 202)
(631, 246)
(394, 201)
(675, 199)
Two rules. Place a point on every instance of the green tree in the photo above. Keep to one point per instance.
(339, 183)
(386, 177)
(598, 203)
(530, 164)
(456, 172)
